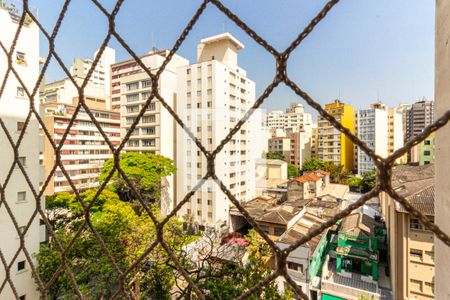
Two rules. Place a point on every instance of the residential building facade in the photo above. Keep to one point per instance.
(411, 246)
(156, 130)
(333, 145)
(84, 151)
(101, 74)
(372, 129)
(213, 95)
(16, 191)
(294, 118)
(395, 133)
(423, 153)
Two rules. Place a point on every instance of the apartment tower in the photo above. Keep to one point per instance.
(155, 132)
(213, 94)
(332, 145)
(16, 192)
(372, 130)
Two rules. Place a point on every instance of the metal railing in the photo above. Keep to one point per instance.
(383, 165)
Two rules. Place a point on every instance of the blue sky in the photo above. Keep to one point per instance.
(362, 51)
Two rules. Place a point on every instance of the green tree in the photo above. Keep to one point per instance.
(228, 280)
(368, 181)
(274, 155)
(337, 173)
(145, 172)
(125, 234)
(293, 171)
(354, 181)
(314, 163)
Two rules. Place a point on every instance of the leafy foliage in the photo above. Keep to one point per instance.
(293, 171)
(125, 234)
(337, 173)
(368, 182)
(274, 155)
(145, 172)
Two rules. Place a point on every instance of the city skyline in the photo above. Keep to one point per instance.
(336, 46)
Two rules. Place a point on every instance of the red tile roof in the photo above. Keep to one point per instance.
(307, 178)
(322, 172)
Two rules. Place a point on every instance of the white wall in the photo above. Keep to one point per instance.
(12, 110)
(442, 202)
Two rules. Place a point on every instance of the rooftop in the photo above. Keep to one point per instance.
(416, 185)
(221, 37)
(358, 224)
(307, 178)
(306, 223)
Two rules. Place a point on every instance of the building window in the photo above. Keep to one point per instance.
(429, 288)
(20, 92)
(199, 201)
(23, 297)
(20, 58)
(295, 266)
(416, 254)
(427, 142)
(210, 215)
(21, 265)
(23, 161)
(188, 71)
(415, 224)
(199, 213)
(416, 285)
(133, 98)
(20, 126)
(429, 255)
(427, 153)
(209, 202)
(132, 86)
(146, 83)
(278, 231)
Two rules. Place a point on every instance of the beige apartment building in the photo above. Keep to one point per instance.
(156, 131)
(411, 245)
(85, 150)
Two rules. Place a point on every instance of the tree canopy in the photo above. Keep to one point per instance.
(145, 172)
(337, 173)
(274, 155)
(293, 171)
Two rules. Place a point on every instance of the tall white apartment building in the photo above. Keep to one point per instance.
(213, 94)
(294, 118)
(14, 108)
(102, 72)
(373, 130)
(155, 132)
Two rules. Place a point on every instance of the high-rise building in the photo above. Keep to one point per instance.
(85, 150)
(395, 133)
(294, 119)
(101, 74)
(372, 129)
(156, 130)
(332, 145)
(419, 116)
(213, 94)
(16, 191)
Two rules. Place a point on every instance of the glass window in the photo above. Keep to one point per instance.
(21, 265)
(21, 196)
(416, 254)
(416, 285)
(132, 86)
(20, 92)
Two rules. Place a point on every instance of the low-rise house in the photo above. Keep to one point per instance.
(351, 272)
(304, 263)
(307, 186)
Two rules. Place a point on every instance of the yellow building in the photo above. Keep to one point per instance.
(333, 145)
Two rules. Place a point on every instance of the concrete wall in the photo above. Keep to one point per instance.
(442, 87)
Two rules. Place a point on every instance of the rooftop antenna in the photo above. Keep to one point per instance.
(153, 41)
(339, 94)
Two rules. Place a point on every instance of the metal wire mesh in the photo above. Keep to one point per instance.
(383, 165)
